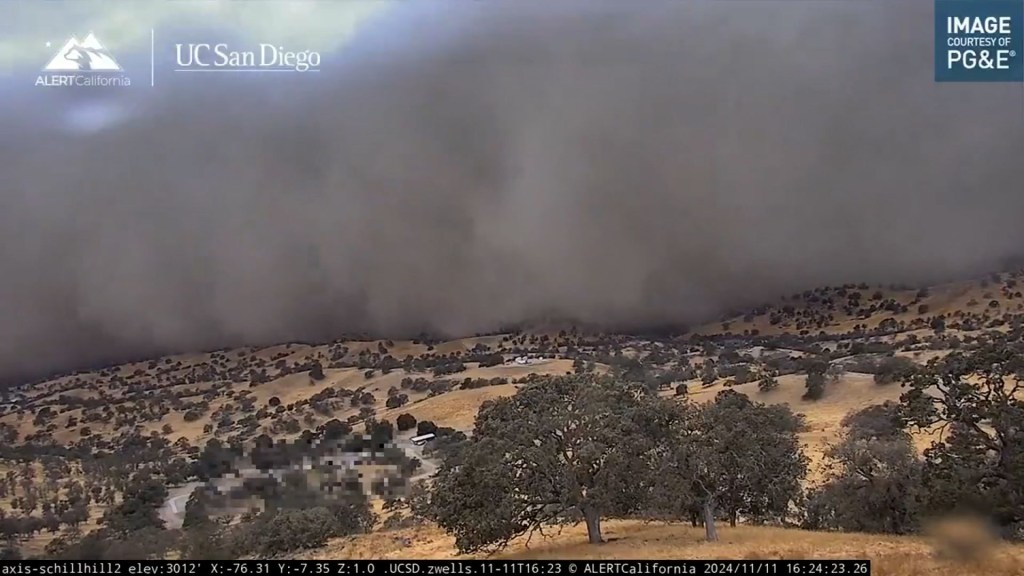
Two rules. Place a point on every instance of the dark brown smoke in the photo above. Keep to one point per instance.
(460, 166)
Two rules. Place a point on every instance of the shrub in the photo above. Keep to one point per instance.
(316, 372)
(405, 422)
(768, 382)
(10, 551)
(284, 531)
(334, 429)
(891, 369)
(815, 384)
(396, 401)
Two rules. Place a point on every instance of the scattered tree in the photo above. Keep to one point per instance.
(732, 456)
(560, 450)
(425, 427)
(768, 381)
(873, 478)
(405, 422)
(815, 384)
(316, 371)
(975, 400)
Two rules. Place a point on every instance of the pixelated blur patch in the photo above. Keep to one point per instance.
(979, 40)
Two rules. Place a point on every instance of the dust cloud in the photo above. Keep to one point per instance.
(460, 166)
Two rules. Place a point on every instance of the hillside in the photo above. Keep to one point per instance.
(70, 444)
(891, 556)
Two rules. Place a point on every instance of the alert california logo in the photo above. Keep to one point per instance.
(85, 63)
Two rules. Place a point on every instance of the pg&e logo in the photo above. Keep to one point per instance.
(979, 40)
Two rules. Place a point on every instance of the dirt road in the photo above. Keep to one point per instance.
(173, 510)
(427, 466)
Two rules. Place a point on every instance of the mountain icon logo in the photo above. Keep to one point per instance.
(88, 55)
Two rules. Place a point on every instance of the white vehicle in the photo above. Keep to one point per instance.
(421, 440)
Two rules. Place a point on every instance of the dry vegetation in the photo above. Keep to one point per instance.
(281, 391)
(890, 555)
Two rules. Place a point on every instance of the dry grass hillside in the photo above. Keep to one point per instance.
(283, 390)
(966, 306)
(890, 555)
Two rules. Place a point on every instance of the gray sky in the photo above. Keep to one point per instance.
(461, 165)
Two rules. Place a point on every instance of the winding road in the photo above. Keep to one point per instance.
(173, 510)
(427, 465)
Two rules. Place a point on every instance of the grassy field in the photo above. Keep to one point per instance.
(986, 304)
(890, 555)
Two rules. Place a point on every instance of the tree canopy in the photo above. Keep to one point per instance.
(873, 477)
(733, 455)
(975, 401)
(561, 450)
(585, 447)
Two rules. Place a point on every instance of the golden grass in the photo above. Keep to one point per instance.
(456, 409)
(853, 391)
(36, 545)
(942, 299)
(466, 344)
(890, 555)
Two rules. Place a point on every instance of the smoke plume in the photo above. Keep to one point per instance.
(460, 166)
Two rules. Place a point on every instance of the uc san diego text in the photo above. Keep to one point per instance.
(267, 57)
